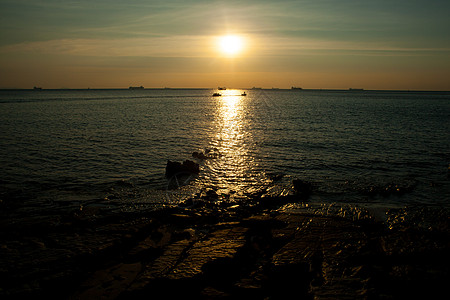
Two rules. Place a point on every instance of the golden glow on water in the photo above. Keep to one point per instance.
(233, 170)
(230, 128)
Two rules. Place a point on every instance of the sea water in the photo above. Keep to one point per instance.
(62, 149)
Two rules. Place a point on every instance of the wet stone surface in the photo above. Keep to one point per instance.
(208, 251)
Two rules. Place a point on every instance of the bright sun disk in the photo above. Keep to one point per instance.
(231, 44)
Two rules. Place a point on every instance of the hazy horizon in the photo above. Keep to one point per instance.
(382, 45)
(228, 88)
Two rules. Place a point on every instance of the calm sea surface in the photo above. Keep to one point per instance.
(65, 148)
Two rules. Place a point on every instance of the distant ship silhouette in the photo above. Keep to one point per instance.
(136, 87)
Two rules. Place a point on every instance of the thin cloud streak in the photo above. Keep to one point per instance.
(197, 46)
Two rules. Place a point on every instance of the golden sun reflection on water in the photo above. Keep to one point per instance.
(233, 170)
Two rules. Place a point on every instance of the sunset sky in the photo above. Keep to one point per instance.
(383, 44)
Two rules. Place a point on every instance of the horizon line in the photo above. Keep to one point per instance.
(298, 89)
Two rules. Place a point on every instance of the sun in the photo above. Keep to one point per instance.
(230, 45)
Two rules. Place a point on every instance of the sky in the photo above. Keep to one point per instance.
(384, 44)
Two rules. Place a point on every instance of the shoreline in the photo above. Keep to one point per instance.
(210, 249)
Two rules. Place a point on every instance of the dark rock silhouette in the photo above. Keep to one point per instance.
(188, 166)
(302, 188)
(208, 154)
(198, 155)
(209, 249)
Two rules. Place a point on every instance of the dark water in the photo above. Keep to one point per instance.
(62, 149)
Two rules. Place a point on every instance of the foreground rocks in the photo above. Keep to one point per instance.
(186, 167)
(212, 251)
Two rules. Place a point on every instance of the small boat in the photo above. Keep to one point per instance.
(243, 94)
(37, 88)
(216, 95)
(222, 88)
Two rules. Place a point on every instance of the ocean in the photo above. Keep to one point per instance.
(62, 150)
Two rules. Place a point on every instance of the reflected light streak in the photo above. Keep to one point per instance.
(233, 170)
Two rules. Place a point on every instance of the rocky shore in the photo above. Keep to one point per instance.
(208, 249)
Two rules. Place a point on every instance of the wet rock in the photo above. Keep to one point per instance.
(322, 251)
(389, 189)
(302, 188)
(187, 203)
(187, 167)
(186, 234)
(275, 176)
(212, 293)
(151, 247)
(198, 155)
(253, 286)
(160, 268)
(208, 154)
(288, 280)
(247, 250)
(211, 195)
(221, 245)
(108, 283)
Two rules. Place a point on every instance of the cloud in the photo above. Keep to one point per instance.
(174, 46)
(205, 46)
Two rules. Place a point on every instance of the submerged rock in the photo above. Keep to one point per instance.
(302, 188)
(208, 154)
(198, 155)
(188, 167)
(389, 189)
(211, 195)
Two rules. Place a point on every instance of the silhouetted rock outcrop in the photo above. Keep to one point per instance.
(207, 249)
(188, 166)
(302, 188)
(208, 154)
